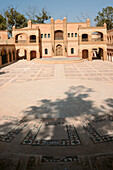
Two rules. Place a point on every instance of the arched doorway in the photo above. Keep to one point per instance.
(32, 54)
(59, 50)
(4, 57)
(10, 56)
(21, 54)
(97, 53)
(85, 54)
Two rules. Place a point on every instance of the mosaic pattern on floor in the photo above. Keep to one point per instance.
(15, 126)
(100, 129)
(65, 135)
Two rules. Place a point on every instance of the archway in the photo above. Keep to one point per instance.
(4, 57)
(97, 36)
(85, 54)
(59, 50)
(33, 39)
(58, 35)
(21, 54)
(32, 54)
(97, 53)
(21, 38)
(84, 37)
(13, 55)
(10, 56)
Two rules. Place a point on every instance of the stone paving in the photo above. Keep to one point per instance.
(56, 116)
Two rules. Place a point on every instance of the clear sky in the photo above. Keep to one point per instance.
(72, 9)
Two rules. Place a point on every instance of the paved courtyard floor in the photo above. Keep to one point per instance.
(56, 116)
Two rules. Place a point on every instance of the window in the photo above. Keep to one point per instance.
(41, 35)
(45, 35)
(68, 34)
(75, 34)
(48, 35)
(72, 50)
(46, 51)
(71, 34)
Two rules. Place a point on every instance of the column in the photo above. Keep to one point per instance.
(52, 38)
(28, 56)
(8, 60)
(37, 54)
(12, 56)
(105, 55)
(89, 55)
(0, 60)
(80, 53)
(65, 35)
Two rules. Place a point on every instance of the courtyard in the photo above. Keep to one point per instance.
(56, 116)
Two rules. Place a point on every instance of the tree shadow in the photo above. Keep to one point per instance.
(75, 104)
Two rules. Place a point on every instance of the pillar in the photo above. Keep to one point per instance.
(37, 54)
(65, 35)
(105, 55)
(0, 60)
(52, 37)
(28, 56)
(80, 53)
(8, 60)
(89, 55)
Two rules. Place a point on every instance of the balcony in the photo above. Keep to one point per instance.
(20, 41)
(32, 41)
(84, 39)
(97, 39)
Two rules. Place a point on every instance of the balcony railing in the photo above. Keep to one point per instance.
(85, 39)
(32, 41)
(97, 39)
(58, 38)
(20, 41)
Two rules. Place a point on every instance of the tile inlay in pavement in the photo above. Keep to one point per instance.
(65, 135)
(100, 129)
(10, 128)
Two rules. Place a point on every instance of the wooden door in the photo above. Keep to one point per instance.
(59, 51)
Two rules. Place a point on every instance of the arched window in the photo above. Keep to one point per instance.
(84, 37)
(41, 35)
(68, 34)
(46, 51)
(72, 50)
(71, 34)
(48, 35)
(32, 38)
(58, 35)
(75, 34)
(45, 35)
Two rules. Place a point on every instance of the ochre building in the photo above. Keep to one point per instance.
(57, 39)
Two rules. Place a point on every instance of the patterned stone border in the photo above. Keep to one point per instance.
(11, 135)
(94, 135)
(73, 138)
(46, 159)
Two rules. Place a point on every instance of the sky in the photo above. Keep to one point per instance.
(74, 10)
